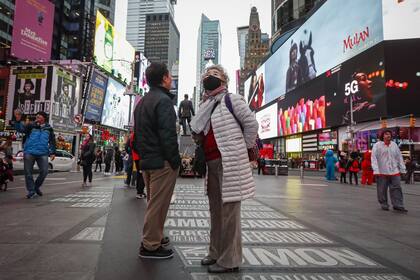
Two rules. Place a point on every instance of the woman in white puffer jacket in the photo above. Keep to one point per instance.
(226, 134)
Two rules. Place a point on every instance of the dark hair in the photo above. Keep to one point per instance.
(29, 82)
(186, 96)
(155, 73)
(42, 113)
(381, 137)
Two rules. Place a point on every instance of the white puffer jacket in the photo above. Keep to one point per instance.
(237, 183)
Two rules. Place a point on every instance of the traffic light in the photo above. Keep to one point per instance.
(412, 121)
(384, 124)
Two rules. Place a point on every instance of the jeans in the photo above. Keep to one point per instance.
(184, 121)
(394, 185)
(87, 172)
(100, 166)
(28, 163)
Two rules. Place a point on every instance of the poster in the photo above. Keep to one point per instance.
(254, 90)
(66, 90)
(29, 90)
(32, 29)
(267, 122)
(116, 105)
(96, 97)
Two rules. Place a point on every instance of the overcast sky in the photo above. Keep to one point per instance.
(231, 13)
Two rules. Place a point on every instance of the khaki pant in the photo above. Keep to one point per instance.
(225, 219)
(160, 185)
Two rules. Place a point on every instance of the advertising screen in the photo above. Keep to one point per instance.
(326, 140)
(66, 90)
(29, 90)
(32, 29)
(267, 122)
(254, 89)
(294, 145)
(116, 105)
(96, 97)
(112, 52)
(401, 19)
(331, 36)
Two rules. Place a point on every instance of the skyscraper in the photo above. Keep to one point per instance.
(209, 47)
(136, 18)
(242, 33)
(7, 8)
(256, 48)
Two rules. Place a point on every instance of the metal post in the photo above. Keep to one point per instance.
(351, 121)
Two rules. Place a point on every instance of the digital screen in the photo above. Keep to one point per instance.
(294, 145)
(116, 105)
(96, 97)
(327, 138)
(254, 89)
(267, 122)
(401, 19)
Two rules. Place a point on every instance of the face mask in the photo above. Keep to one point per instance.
(211, 83)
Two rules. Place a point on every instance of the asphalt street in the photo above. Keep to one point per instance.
(293, 229)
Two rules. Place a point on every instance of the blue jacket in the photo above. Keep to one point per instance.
(40, 140)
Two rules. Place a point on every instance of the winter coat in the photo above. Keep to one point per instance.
(155, 138)
(40, 140)
(186, 109)
(108, 156)
(354, 166)
(88, 153)
(237, 183)
(387, 160)
(342, 165)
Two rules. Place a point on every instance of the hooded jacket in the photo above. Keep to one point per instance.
(40, 139)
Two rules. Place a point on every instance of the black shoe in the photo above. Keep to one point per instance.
(400, 209)
(385, 208)
(30, 195)
(208, 261)
(38, 192)
(159, 253)
(165, 241)
(215, 268)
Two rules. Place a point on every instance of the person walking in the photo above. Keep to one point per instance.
(156, 141)
(227, 128)
(87, 158)
(185, 112)
(388, 165)
(117, 160)
(108, 161)
(98, 160)
(367, 171)
(39, 144)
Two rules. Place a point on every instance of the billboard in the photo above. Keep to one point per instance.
(29, 90)
(66, 91)
(401, 19)
(255, 89)
(267, 122)
(32, 29)
(331, 36)
(96, 97)
(116, 105)
(112, 52)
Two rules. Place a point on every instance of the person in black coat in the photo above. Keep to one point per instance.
(185, 112)
(108, 160)
(87, 158)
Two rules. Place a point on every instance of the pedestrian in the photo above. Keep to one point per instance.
(410, 167)
(108, 161)
(87, 158)
(227, 128)
(354, 168)
(40, 143)
(117, 160)
(3, 175)
(330, 161)
(367, 171)
(388, 165)
(7, 149)
(342, 168)
(156, 141)
(185, 112)
(261, 165)
(98, 160)
(136, 169)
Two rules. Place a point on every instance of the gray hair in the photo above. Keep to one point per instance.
(219, 68)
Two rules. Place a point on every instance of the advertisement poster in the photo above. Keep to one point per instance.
(112, 52)
(96, 97)
(66, 90)
(331, 36)
(394, 27)
(29, 90)
(267, 122)
(32, 29)
(254, 89)
(116, 105)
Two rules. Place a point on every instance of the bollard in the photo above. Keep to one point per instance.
(276, 168)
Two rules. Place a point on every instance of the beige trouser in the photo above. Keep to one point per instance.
(160, 185)
(225, 218)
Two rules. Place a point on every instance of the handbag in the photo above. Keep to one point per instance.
(254, 152)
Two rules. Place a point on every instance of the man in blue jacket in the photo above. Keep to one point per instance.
(39, 144)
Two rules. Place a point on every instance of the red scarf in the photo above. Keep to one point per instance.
(213, 93)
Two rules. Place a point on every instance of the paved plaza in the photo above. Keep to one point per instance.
(293, 229)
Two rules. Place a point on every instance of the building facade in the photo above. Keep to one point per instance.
(209, 46)
(7, 8)
(136, 18)
(242, 33)
(256, 49)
